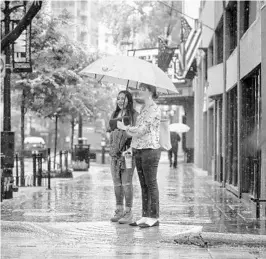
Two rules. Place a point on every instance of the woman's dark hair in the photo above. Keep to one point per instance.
(129, 108)
(151, 89)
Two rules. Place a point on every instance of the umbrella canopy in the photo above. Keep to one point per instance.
(129, 71)
(179, 127)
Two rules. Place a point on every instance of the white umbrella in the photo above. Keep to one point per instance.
(179, 127)
(129, 71)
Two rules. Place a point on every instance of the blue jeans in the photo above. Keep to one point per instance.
(122, 179)
(147, 161)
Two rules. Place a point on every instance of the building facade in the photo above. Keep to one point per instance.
(230, 98)
(83, 26)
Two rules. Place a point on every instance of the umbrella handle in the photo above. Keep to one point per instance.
(124, 101)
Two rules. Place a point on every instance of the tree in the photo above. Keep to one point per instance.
(145, 19)
(54, 84)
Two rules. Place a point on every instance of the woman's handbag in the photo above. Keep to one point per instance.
(165, 139)
(118, 139)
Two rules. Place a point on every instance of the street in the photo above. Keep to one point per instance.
(73, 220)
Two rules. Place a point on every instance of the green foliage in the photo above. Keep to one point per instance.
(55, 86)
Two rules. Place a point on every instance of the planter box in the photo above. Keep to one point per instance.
(82, 170)
(80, 166)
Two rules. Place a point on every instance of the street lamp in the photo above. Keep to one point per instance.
(20, 51)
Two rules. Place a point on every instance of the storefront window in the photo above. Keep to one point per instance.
(251, 115)
(232, 132)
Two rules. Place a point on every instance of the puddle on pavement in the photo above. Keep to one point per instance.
(184, 199)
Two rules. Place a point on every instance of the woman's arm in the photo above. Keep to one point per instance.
(135, 115)
(134, 120)
(151, 117)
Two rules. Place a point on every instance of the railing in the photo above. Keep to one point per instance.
(39, 168)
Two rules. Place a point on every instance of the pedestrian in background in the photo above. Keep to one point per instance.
(175, 138)
(119, 142)
(146, 148)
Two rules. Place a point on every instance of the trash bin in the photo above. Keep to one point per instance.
(82, 153)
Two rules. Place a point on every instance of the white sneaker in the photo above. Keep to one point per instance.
(140, 221)
(151, 221)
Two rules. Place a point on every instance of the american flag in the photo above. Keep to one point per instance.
(189, 43)
(185, 28)
(165, 54)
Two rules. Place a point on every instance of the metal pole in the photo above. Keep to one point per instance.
(49, 168)
(7, 172)
(55, 144)
(66, 159)
(88, 156)
(7, 105)
(103, 154)
(39, 169)
(34, 168)
(80, 141)
(61, 162)
(17, 178)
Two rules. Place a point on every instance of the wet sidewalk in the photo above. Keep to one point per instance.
(187, 196)
(74, 218)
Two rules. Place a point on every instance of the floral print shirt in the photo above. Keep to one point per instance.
(146, 133)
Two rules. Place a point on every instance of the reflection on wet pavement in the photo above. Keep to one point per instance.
(187, 197)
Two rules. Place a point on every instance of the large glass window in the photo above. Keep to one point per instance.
(231, 146)
(219, 43)
(251, 115)
(210, 55)
(232, 26)
(248, 14)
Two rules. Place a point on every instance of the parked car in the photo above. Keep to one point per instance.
(35, 144)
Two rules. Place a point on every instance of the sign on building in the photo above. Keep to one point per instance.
(21, 51)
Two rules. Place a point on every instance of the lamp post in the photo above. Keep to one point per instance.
(7, 137)
(55, 138)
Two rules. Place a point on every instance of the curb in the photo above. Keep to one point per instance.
(205, 239)
(234, 239)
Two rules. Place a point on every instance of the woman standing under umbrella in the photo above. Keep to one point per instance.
(146, 148)
(119, 142)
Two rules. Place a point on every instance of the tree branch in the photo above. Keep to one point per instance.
(23, 23)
